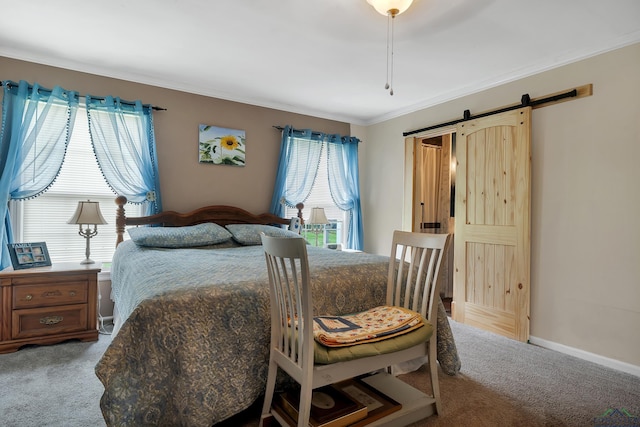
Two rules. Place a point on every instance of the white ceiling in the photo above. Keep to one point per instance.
(324, 58)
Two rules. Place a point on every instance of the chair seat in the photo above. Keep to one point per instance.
(323, 355)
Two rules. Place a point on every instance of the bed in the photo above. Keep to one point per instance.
(192, 345)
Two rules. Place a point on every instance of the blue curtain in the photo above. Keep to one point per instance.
(125, 147)
(298, 167)
(344, 184)
(36, 128)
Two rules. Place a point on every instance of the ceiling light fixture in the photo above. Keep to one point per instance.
(390, 8)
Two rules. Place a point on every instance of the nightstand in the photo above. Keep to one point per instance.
(47, 305)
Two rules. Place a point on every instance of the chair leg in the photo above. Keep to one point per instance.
(304, 410)
(433, 373)
(270, 389)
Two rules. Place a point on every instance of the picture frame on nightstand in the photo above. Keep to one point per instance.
(29, 255)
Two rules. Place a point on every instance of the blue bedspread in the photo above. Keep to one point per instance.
(195, 344)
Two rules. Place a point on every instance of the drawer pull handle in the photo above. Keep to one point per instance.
(52, 294)
(72, 293)
(51, 320)
(29, 297)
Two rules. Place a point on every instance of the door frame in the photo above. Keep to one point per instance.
(409, 142)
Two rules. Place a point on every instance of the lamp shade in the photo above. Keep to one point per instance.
(393, 7)
(317, 216)
(87, 213)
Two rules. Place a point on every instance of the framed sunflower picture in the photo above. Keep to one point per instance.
(221, 146)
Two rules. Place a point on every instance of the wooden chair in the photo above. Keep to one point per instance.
(411, 284)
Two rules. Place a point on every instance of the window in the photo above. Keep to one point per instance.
(45, 217)
(320, 197)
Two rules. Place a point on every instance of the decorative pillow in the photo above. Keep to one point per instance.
(249, 234)
(180, 237)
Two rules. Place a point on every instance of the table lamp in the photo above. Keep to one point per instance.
(88, 213)
(317, 220)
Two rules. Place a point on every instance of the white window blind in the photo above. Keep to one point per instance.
(45, 217)
(320, 197)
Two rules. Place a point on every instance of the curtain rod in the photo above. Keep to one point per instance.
(126, 102)
(280, 128)
(320, 134)
(526, 101)
(2, 82)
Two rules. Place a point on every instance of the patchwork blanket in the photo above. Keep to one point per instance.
(371, 325)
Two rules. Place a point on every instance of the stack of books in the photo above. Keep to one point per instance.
(349, 403)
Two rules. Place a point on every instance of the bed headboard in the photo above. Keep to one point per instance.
(220, 214)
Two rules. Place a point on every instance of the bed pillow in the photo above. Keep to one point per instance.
(249, 234)
(180, 237)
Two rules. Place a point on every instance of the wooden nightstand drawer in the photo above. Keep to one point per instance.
(35, 322)
(30, 296)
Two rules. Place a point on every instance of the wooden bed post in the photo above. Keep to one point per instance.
(300, 206)
(120, 201)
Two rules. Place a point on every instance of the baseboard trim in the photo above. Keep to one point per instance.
(585, 355)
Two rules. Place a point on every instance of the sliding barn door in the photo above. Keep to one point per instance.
(492, 227)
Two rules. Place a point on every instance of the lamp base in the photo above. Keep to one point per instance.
(88, 261)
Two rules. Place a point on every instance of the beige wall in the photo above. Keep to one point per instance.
(585, 290)
(185, 183)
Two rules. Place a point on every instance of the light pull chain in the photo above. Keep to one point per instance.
(386, 86)
(391, 15)
(393, 18)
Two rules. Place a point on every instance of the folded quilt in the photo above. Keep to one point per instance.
(368, 326)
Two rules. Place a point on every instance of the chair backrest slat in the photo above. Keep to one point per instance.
(421, 281)
(430, 277)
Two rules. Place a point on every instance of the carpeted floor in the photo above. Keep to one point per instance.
(502, 383)
(52, 386)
